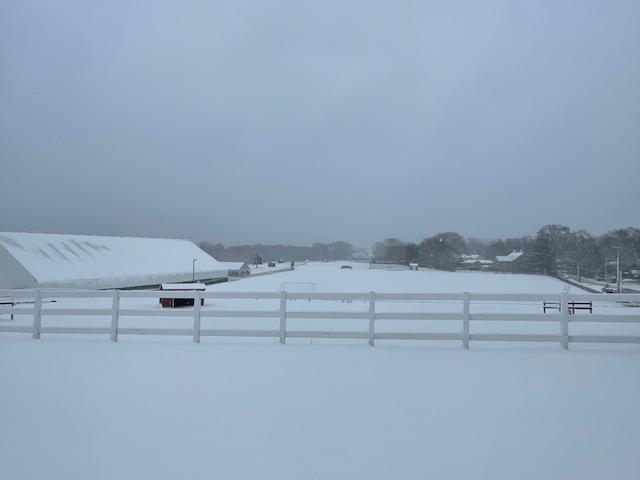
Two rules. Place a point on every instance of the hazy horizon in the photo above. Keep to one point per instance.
(321, 240)
(246, 122)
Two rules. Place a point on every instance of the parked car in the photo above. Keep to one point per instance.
(346, 267)
(608, 289)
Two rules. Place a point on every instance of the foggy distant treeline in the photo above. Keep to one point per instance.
(246, 253)
(554, 249)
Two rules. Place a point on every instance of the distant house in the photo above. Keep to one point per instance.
(477, 264)
(413, 266)
(473, 261)
(513, 263)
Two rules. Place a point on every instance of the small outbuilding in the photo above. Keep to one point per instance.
(512, 263)
(236, 269)
(181, 302)
(413, 266)
(477, 264)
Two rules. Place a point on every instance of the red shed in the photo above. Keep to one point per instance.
(181, 302)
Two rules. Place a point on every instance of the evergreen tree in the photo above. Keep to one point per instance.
(411, 253)
(542, 259)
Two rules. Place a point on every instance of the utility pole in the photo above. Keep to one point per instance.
(618, 275)
(193, 270)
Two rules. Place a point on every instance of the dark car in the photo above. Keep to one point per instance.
(346, 267)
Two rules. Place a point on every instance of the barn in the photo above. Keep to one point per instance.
(40, 260)
(515, 262)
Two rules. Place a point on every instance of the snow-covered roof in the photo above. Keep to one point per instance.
(473, 256)
(183, 286)
(88, 261)
(479, 260)
(509, 258)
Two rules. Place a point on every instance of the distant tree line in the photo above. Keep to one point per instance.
(552, 250)
(248, 253)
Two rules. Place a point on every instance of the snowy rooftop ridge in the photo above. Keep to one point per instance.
(509, 258)
(91, 261)
(482, 261)
(183, 286)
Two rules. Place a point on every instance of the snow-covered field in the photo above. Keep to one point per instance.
(330, 278)
(78, 407)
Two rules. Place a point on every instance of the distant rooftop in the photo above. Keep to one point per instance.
(482, 261)
(509, 258)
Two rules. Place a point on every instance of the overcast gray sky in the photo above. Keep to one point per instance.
(292, 121)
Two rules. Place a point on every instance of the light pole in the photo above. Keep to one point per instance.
(618, 276)
(193, 270)
(578, 258)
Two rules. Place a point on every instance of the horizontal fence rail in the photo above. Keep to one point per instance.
(39, 303)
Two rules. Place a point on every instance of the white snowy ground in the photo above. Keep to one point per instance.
(75, 407)
(596, 285)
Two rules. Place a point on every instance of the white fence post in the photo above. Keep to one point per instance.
(37, 313)
(372, 318)
(197, 307)
(283, 317)
(115, 315)
(564, 320)
(466, 312)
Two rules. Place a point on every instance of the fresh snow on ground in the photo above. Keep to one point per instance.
(631, 286)
(80, 407)
(330, 278)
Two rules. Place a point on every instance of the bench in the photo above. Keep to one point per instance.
(573, 306)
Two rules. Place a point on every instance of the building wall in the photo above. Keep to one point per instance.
(515, 266)
(12, 273)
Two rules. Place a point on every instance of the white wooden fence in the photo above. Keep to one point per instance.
(35, 304)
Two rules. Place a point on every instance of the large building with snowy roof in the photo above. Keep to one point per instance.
(29, 260)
